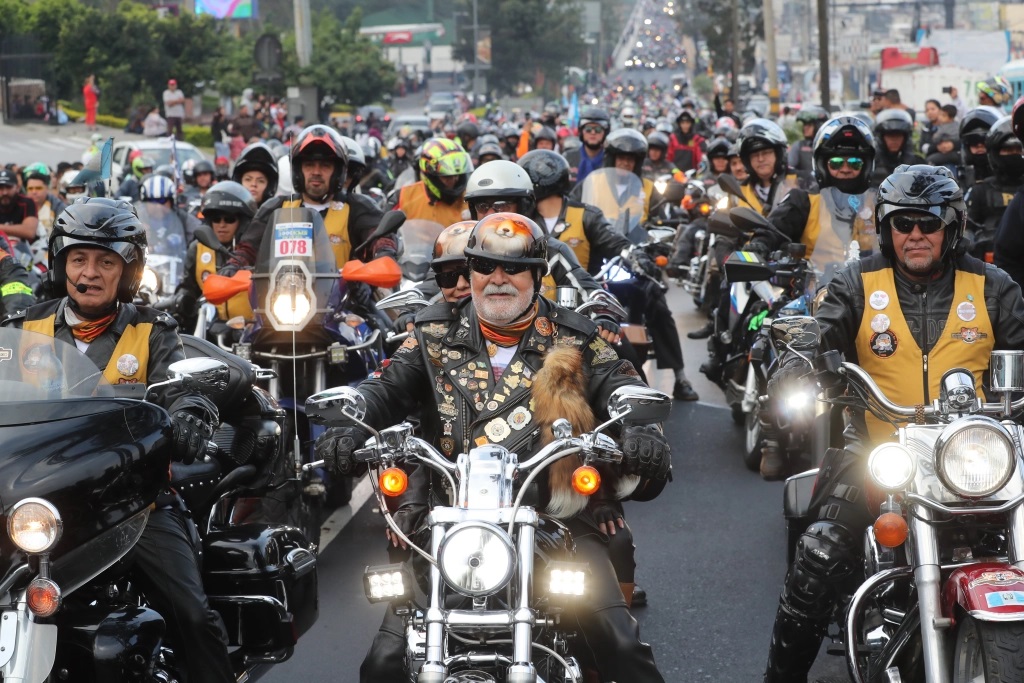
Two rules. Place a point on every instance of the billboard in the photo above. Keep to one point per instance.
(227, 9)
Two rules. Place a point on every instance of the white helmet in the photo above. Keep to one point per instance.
(284, 174)
(65, 183)
(501, 178)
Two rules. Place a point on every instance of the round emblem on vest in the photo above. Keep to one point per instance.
(879, 300)
(206, 257)
(127, 365)
(337, 206)
(543, 326)
(496, 430)
(880, 323)
(575, 242)
(335, 239)
(883, 344)
(966, 311)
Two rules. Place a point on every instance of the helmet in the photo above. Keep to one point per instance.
(718, 148)
(229, 197)
(758, 134)
(628, 116)
(319, 142)
(658, 140)
(511, 238)
(100, 222)
(726, 127)
(167, 171)
(894, 121)
(847, 136)
(140, 164)
(440, 157)
(257, 157)
(1018, 119)
(504, 179)
(450, 245)
(552, 111)
(186, 172)
(596, 115)
(999, 136)
(812, 114)
(996, 88)
(371, 149)
(548, 171)
(545, 133)
(36, 171)
(489, 149)
(157, 188)
(356, 159)
(664, 126)
(203, 166)
(921, 188)
(509, 130)
(467, 132)
(734, 150)
(626, 141)
(66, 181)
(974, 127)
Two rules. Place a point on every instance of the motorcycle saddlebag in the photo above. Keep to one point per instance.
(263, 581)
(105, 644)
(796, 496)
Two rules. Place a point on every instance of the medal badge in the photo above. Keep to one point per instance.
(127, 365)
(519, 418)
(497, 430)
(878, 300)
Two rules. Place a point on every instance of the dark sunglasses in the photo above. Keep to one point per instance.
(487, 266)
(221, 218)
(446, 279)
(836, 163)
(593, 129)
(498, 205)
(927, 224)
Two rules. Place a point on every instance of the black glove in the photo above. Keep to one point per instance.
(409, 517)
(190, 436)
(336, 446)
(606, 512)
(228, 269)
(648, 266)
(401, 324)
(790, 371)
(646, 452)
(606, 324)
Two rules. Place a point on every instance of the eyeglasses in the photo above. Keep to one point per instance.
(836, 163)
(446, 279)
(593, 129)
(221, 218)
(927, 224)
(487, 266)
(497, 205)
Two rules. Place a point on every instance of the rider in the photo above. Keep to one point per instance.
(988, 199)
(157, 198)
(625, 150)
(974, 127)
(18, 217)
(97, 253)
(506, 328)
(37, 186)
(763, 153)
(893, 313)
(994, 92)
(893, 145)
(256, 170)
(594, 126)
(685, 145)
(717, 155)
(438, 196)
(801, 161)
(1009, 243)
(657, 163)
(142, 166)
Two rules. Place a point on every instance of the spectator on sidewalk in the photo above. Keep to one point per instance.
(91, 96)
(154, 125)
(174, 108)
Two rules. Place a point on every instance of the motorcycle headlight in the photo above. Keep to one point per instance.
(891, 466)
(34, 525)
(290, 309)
(974, 457)
(150, 280)
(798, 399)
(476, 558)
(723, 203)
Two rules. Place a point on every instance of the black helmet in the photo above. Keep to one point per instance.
(894, 121)
(467, 132)
(844, 136)
(110, 224)
(974, 127)
(1001, 135)
(628, 142)
(596, 115)
(758, 134)
(510, 238)
(257, 157)
(658, 141)
(229, 197)
(500, 179)
(356, 166)
(931, 189)
(489, 149)
(812, 114)
(167, 171)
(549, 172)
(319, 142)
(202, 166)
(685, 114)
(718, 148)
(545, 133)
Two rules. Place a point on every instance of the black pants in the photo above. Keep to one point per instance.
(609, 634)
(646, 304)
(166, 568)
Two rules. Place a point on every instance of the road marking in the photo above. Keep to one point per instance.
(343, 515)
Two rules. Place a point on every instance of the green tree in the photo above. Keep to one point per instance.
(713, 20)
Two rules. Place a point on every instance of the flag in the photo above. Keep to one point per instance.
(178, 178)
(106, 158)
(574, 111)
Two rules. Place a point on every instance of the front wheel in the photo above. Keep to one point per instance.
(988, 652)
(752, 451)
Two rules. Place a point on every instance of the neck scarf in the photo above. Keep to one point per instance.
(86, 331)
(587, 164)
(511, 334)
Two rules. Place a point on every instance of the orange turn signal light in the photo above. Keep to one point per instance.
(891, 530)
(705, 209)
(661, 261)
(43, 597)
(586, 480)
(393, 481)
(688, 202)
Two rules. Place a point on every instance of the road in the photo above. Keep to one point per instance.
(710, 553)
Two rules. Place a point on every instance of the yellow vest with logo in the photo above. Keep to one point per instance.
(206, 264)
(572, 234)
(607, 189)
(336, 223)
(134, 342)
(415, 202)
(891, 356)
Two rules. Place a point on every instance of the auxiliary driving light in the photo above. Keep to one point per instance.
(386, 583)
(892, 466)
(567, 579)
(393, 481)
(586, 480)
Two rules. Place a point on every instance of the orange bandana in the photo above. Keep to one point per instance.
(87, 330)
(509, 335)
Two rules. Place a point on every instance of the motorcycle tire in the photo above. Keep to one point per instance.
(752, 448)
(988, 651)
(738, 416)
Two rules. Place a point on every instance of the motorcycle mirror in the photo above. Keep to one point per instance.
(731, 185)
(674, 192)
(339, 405)
(639, 405)
(208, 376)
(801, 332)
(662, 235)
(236, 323)
(389, 223)
(721, 224)
(409, 298)
(206, 237)
(748, 220)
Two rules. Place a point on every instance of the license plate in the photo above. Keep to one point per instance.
(293, 240)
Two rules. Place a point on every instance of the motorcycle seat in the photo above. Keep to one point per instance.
(241, 377)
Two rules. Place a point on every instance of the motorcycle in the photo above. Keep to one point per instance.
(485, 616)
(78, 499)
(165, 254)
(943, 598)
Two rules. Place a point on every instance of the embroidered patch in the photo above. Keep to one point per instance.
(883, 344)
(435, 330)
(543, 326)
(603, 353)
(969, 335)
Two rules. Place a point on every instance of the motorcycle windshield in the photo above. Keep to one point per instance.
(165, 253)
(34, 367)
(418, 237)
(620, 196)
(296, 270)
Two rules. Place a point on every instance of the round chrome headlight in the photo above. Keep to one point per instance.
(891, 466)
(34, 525)
(476, 558)
(974, 457)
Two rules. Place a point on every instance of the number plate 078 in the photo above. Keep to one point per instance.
(293, 240)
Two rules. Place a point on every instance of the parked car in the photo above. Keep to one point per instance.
(158, 149)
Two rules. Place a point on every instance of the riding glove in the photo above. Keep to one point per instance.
(646, 452)
(336, 447)
(607, 324)
(190, 436)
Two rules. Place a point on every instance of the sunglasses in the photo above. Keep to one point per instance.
(487, 266)
(498, 206)
(925, 223)
(592, 129)
(446, 279)
(222, 218)
(836, 163)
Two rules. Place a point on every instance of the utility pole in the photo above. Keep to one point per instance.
(476, 54)
(823, 48)
(303, 32)
(770, 58)
(734, 90)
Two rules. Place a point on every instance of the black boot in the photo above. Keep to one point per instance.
(794, 647)
(704, 332)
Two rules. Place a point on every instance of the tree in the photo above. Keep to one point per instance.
(713, 18)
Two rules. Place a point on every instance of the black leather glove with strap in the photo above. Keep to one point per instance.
(409, 517)
(607, 324)
(336, 446)
(191, 435)
(646, 452)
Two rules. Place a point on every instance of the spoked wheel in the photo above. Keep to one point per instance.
(988, 652)
(752, 450)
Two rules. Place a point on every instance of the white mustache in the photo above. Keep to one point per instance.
(500, 289)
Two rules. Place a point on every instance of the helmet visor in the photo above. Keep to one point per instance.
(454, 163)
(125, 250)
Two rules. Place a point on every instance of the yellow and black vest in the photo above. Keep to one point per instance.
(569, 230)
(336, 223)
(129, 364)
(416, 203)
(887, 350)
(206, 263)
(830, 246)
